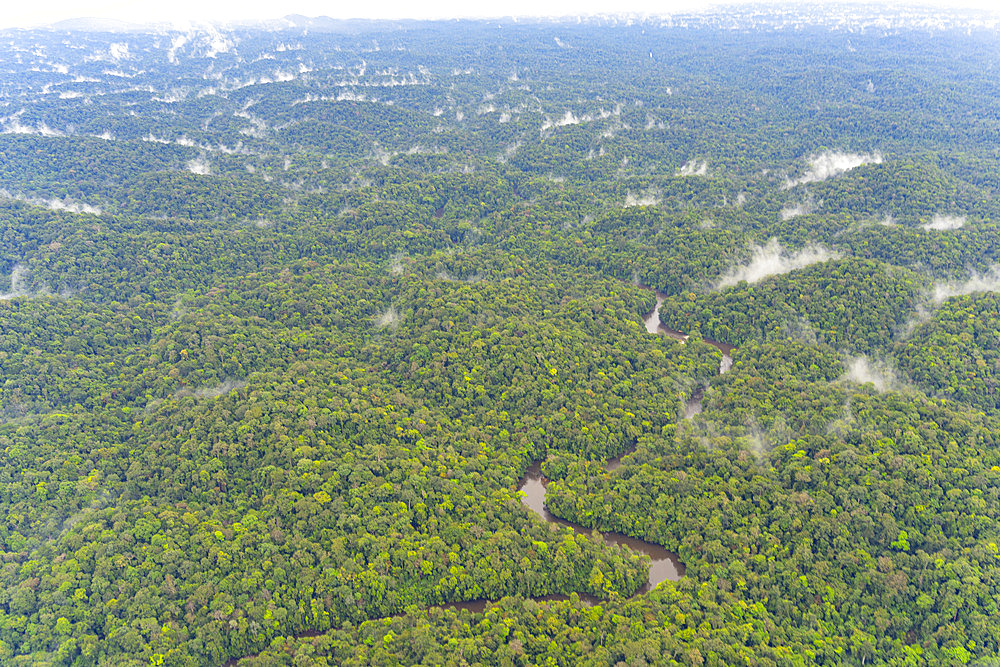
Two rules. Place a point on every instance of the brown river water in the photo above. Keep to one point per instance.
(652, 322)
(663, 565)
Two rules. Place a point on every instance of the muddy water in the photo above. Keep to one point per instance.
(664, 565)
(727, 354)
(653, 325)
(693, 405)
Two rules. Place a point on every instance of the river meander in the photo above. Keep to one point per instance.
(653, 325)
(664, 565)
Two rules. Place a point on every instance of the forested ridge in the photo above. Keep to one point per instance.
(287, 311)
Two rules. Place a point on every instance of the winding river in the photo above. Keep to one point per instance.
(653, 325)
(663, 565)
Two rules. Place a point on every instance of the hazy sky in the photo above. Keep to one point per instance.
(25, 14)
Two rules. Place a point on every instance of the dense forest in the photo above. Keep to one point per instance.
(288, 310)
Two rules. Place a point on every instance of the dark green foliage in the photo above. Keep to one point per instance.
(855, 305)
(956, 353)
(286, 315)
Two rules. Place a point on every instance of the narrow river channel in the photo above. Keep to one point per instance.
(663, 565)
(653, 325)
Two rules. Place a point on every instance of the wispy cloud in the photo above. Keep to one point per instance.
(53, 204)
(977, 282)
(199, 166)
(16, 127)
(648, 198)
(945, 222)
(863, 370)
(389, 319)
(828, 164)
(18, 284)
(773, 259)
(694, 168)
(796, 210)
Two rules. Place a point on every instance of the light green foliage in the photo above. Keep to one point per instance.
(285, 316)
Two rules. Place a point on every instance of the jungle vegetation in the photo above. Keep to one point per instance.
(286, 312)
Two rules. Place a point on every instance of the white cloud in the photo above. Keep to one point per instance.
(178, 42)
(200, 166)
(825, 165)
(694, 168)
(773, 259)
(648, 198)
(567, 119)
(223, 387)
(390, 318)
(119, 50)
(945, 222)
(862, 370)
(790, 212)
(183, 12)
(53, 204)
(977, 282)
(15, 127)
(18, 284)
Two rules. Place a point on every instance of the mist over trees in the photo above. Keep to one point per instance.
(288, 310)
